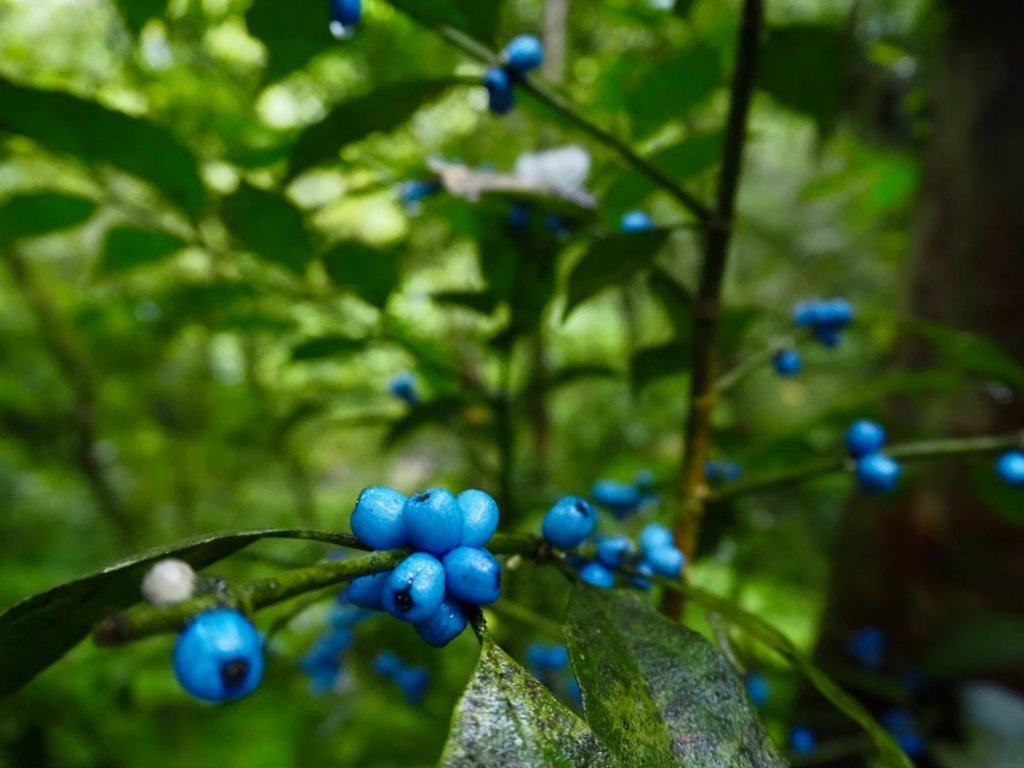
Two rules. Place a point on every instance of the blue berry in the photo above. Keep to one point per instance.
(787, 362)
(635, 221)
(612, 549)
(377, 519)
(757, 689)
(540, 657)
(828, 336)
(403, 385)
(387, 664)
(556, 225)
(643, 569)
(219, 656)
(620, 498)
(368, 591)
(569, 522)
(805, 314)
(523, 54)
(596, 574)
(433, 521)
(520, 217)
(1010, 467)
(472, 575)
(654, 537)
(722, 470)
(346, 12)
(666, 561)
(802, 740)
(327, 650)
(415, 588)
(835, 313)
(864, 437)
(413, 681)
(444, 624)
(867, 646)
(877, 472)
(479, 517)
(501, 96)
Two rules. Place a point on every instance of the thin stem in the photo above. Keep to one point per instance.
(750, 364)
(147, 620)
(916, 451)
(568, 110)
(697, 435)
(524, 615)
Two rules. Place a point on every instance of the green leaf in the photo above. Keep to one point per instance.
(483, 302)
(371, 272)
(291, 38)
(137, 12)
(271, 227)
(674, 88)
(682, 161)
(613, 260)
(505, 717)
(656, 693)
(96, 135)
(890, 755)
(40, 213)
(983, 646)
(443, 411)
(976, 354)
(649, 364)
(36, 632)
(674, 298)
(478, 19)
(682, 8)
(130, 247)
(803, 67)
(382, 109)
(324, 347)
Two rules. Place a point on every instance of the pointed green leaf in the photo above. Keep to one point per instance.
(483, 302)
(39, 630)
(649, 364)
(676, 85)
(130, 247)
(478, 19)
(383, 109)
(291, 38)
(96, 135)
(270, 226)
(40, 213)
(972, 353)
(137, 12)
(325, 347)
(371, 272)
(507, 718)
(612, 261)
(656, 693)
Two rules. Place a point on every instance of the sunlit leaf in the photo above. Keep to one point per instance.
(327, 347)
(129, 247)
(371, 272)
(40, 213)
(804, 66)
(270, 226)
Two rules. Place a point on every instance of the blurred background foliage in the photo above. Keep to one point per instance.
(211, 280)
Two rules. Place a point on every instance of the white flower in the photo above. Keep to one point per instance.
(563, 168)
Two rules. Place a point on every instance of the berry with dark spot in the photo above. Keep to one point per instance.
(415, 588)
(569, 522)
(433, 521)
(219, 656)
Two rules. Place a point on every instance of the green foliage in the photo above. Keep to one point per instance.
(270, 226)
(41, 213)
(130, 247)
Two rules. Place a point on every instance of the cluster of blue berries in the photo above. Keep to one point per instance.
(826, 318)
(1010, 468)
(449, 570)
(722, 471)
(413, 681)
(345, 16)
(324, 661)
(624, 499)
(876, 472)
(550, 665)
(219, 656)
(405, 387)
(523, 54)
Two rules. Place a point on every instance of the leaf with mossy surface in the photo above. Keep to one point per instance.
(658, 694)
(507, 718)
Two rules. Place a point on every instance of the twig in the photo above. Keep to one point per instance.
(752, 363)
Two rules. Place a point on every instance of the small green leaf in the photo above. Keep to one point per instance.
(610, 261)
(803, 67)
(972, 353)
(325, 347)
(674, 88)
(94, 134)
(40, 213)
(271, 227)
(39, 630)
(137, 12)
(674, 298)
(442, 411)
(983, 646)
(507, 718)
(292, 39)
(656, 693)
(371, 272)
(682, 161)
(682, 8)
(483, 302)
(130, 247)
(383, 109)
(478, 19)
(652, 363)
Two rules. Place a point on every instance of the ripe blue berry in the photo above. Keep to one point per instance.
(569, 522)
(620, 498)
(877, 472)
(787, 362)
(1010, 467)
(377, 519)
(867, 646)
(612, 549)
(403, 385)
(415, 588)
(523, 54)
(479, 517)
(654, 537)
(433, 521)
(864, 437)
(472, 575)
(757, 689)
(413, 681)
(805, 313)
(835, 313)
(802, 740)
(828, 335)
(722, 470)
(635, 221)
(444, 624)
(666, 561)
(519, 217)
(596, 574)
(327, 650)
(368, 591)
(643, 569)
(387, 664)
(501, 96)
(346, 12)
(219, 656)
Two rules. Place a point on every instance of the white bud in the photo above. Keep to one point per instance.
(169, 581)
